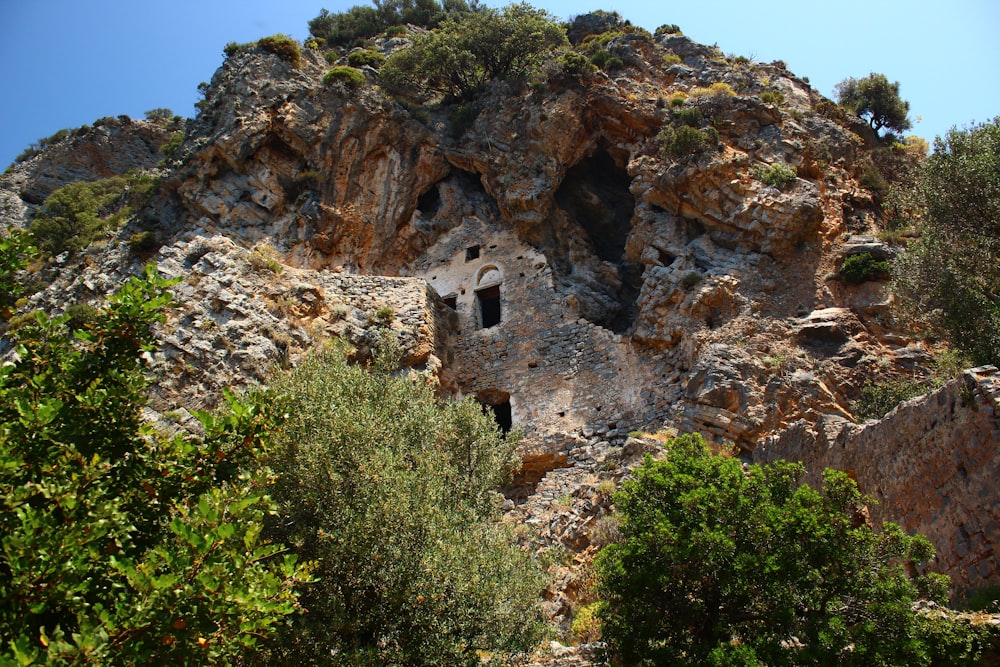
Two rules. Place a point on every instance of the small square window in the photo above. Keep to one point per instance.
(471, 253)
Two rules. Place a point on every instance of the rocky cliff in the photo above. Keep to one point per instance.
(543, 250)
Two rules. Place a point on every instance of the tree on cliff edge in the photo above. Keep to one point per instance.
(875, 100)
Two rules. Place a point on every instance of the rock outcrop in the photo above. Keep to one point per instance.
(931, 464)
(545, 252)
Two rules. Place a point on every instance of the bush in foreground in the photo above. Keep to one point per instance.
(725, 565)
(119, 545)
(390, 493)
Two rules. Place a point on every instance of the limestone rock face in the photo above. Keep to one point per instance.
(112, 147)
(932, 465)
(541, 249)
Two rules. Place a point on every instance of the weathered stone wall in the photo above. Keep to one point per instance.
(932, 464)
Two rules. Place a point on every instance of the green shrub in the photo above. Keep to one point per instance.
(600, 58)
(389, 492)
(265, 257)
(462, 117)
(331, 57)
(698, 532)
(347, 76)
(233, 48)
(143, 243)
(122, 545)
(284, 47)
(365, 57)
(681, 141)
(396, 31)
(777, 175)
(948, 280)
(458, 59)
(173, 144)
(690, 116)
(668, 29)
(575, 64)
(878, 400)
(15, 253)
(775, 97)
(691, 278)
(159, 115)
(40, 145)
(76, 214)
(586, 627)
(863, 267)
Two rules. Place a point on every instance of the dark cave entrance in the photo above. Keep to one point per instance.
(497, 403)
(595, 193)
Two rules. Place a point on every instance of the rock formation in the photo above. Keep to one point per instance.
(550, 258)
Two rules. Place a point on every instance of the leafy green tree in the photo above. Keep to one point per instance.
(390, 493)
(876, 100)
(15, 253)
(722, 564)
(464, 54)
(949, 279)
(119, 545)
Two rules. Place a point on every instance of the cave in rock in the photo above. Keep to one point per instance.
(497, 403)
(595, 193)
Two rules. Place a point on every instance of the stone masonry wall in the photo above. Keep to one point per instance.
(932, 464)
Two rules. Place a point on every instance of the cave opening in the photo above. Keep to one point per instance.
(497, 403)
(429, 203)
(595, 194)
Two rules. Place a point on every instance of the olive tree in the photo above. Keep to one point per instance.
(390, 493)
(876, 100)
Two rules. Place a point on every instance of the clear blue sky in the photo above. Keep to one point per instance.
(64, 63)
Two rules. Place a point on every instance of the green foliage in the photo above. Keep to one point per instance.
(284, 47)
(775, 97)
(75, 215)
(668, 29)
(144, 242)
(575, 64)
(15, 253)
(389, 492)
(347, 76)
(365, 57)
(875, 100)
(40, 145)
(684, 140)
(173, 144)
(264, 257)
(233, 48)
(390, 16)
(722, 563)
(863, 267)
(160, 115)
(120, 545)
(691, 279)
(879, 399)
(463, 55)
(716, 92)
(586, 626)
(777, 175)
(949, 279)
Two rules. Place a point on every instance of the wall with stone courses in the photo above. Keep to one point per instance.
(933, 465)
(564, 374)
